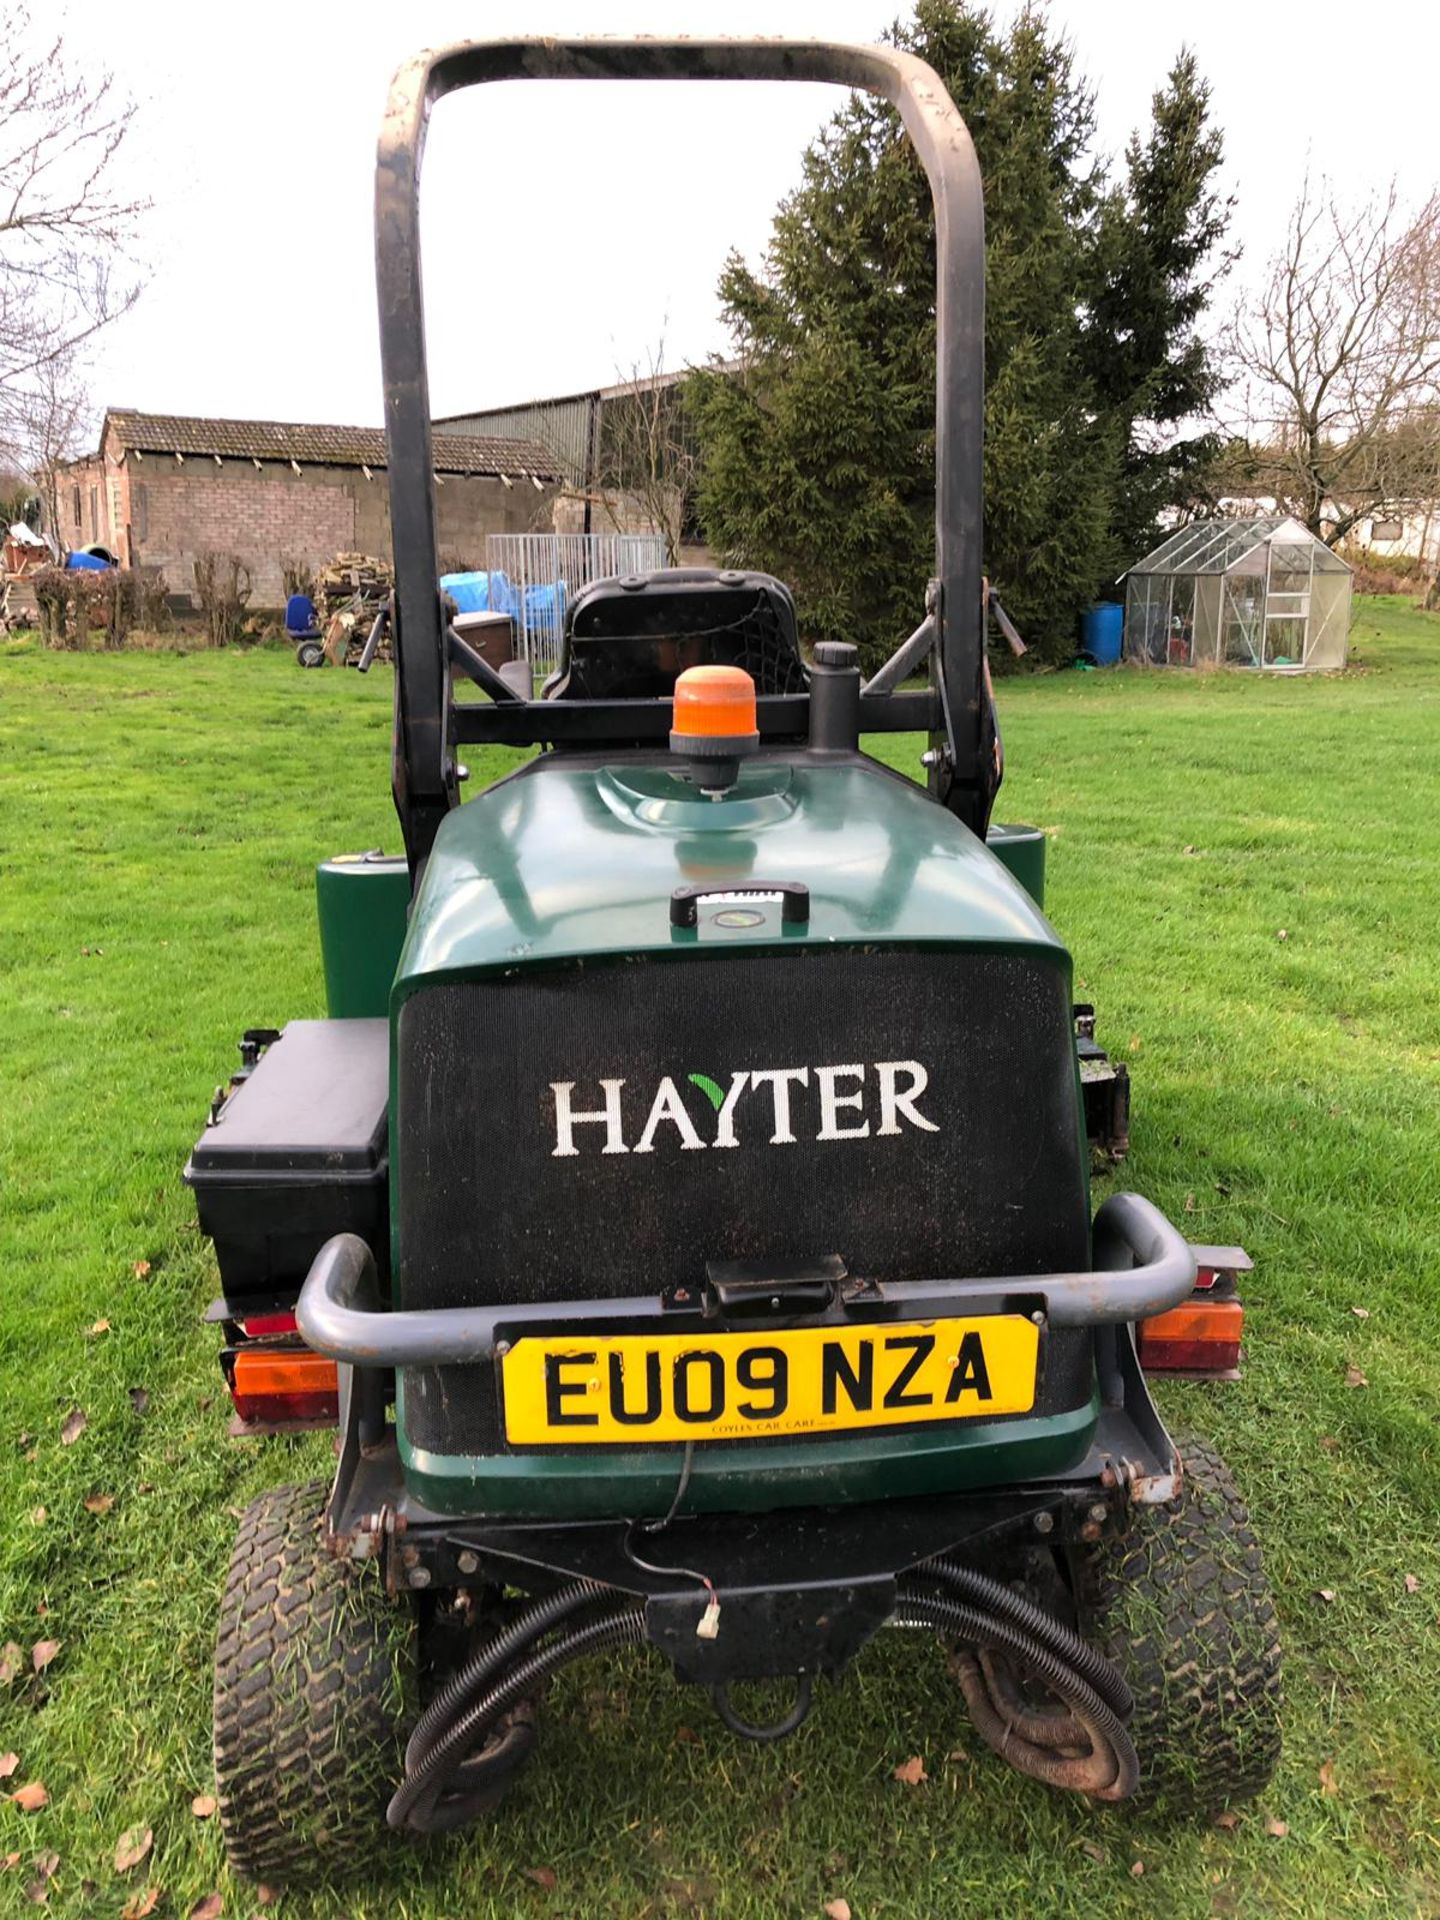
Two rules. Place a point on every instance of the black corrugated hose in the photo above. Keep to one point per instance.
(1104, 1676)
(417, 1802)
(467, 1681)
(1085, 1749)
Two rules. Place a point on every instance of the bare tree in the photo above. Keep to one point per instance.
(50, 417)
(649, 455)
(1343, 353)
(66, 222)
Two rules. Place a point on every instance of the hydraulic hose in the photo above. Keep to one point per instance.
(1103, 1675)
(463, 1685)
(417, 1797)
(1092, 1754)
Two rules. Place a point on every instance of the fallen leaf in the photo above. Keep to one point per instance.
(210, 1908)
(38, 1892)
(10, 1663)
(47, 1865)
(99, 1502)
(1137, 1868)
(141, 1904)
(267, 1896)
(838, 1909)
(140, 1399)
(1412, 1584)
(38, 1516)
(1327, 1779)
(203, 1805)
(1361, 1313)
(8, 1763)
(1189, 849)
(542, 1876)
(1276, 1828)
(30, 1798)
(1327, 1594)
(42, 1653)
(687, 1737)
(1329, 1443)
(100, 1326)
(10, 1860)
(1228, 1819)
(76, 1422)
(1355, 1378)
(1283, 934)
(1096, 1853)
(911, 1772)
(132, 1847)
(142, 1267)
(1189, 1203)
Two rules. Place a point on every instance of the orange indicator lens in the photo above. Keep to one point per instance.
(714, 703)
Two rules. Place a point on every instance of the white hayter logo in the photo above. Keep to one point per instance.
(776, 1099)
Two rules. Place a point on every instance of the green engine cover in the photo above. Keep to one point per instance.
(569, 866)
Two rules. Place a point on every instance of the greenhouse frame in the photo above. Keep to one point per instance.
(1239, 593)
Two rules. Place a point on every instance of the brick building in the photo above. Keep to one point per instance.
(163, 490)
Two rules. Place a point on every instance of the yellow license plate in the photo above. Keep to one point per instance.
(639, 1388)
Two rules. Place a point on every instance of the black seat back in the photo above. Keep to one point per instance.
(628, 638)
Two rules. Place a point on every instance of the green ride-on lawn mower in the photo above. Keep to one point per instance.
(684, 1213)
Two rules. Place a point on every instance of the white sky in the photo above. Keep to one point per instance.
(568, 225)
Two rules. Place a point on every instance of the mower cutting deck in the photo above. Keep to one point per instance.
(685, 1213)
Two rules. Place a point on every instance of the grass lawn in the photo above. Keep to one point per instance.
(1247, 873)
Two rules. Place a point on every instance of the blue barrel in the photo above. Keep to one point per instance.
(1100, 629)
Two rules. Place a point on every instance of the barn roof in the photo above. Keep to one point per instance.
(324, 446)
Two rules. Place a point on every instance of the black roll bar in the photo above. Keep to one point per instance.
(424, 769)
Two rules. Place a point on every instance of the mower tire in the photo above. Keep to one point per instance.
(1180, 1603)
(314, 1673)
(310, 653)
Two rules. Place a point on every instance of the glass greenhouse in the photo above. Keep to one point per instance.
(1239, 593)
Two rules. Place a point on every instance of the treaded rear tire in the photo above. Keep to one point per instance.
(1182, 1606)
(314, 1671)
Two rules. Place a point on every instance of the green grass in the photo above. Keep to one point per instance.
(159, 819)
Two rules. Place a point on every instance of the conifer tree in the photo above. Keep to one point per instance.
(1157, 263)
(818, 456)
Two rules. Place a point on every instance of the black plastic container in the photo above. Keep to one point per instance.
(298, 1152)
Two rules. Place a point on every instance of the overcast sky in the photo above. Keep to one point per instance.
(568, 225)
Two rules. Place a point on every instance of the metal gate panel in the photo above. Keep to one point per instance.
(546, 571)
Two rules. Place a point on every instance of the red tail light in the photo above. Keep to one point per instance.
(270, 1385)
(1201, 1336)
(264, 1326)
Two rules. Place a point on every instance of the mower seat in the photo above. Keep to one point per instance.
(629, 638)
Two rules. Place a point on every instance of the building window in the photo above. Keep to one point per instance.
(1386, 530)
(75, 502)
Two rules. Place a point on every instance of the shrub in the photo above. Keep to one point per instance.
(73, 604)
(222, 590)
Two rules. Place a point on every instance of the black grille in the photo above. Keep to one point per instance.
(488, 1211)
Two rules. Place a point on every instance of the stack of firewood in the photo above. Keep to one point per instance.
(349, 593)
